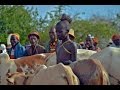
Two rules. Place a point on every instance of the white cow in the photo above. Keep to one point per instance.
(81, 54)
(6, 65)
(110, 58)
(3, 48)
(84, 54)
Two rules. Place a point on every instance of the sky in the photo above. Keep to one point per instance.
(89, 10)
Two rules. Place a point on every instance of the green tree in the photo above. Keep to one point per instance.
(17, 19)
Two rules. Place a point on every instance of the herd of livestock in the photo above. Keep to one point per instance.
(91, 68)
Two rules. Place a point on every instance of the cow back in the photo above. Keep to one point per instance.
(90, 72)
(31, 61)
(84, 54)
(55, 75)
(110, 59)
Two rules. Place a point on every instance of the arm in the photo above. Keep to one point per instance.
(67, 62)
(73, 56)
(73, 52)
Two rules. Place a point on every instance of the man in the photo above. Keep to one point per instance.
(52, 44)
(116, 40)
(82, 44)
(72, 37)
(91, 43)
(67, 51)
(17, 50)
(34, 48)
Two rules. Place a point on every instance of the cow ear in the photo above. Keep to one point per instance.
(10, 80)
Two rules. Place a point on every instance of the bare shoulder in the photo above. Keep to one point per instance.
(70, 45)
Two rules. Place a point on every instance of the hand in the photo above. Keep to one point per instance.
(67, 62)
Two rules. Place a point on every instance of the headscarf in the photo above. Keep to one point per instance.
(17, 36)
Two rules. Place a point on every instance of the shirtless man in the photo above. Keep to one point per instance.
(67, 51)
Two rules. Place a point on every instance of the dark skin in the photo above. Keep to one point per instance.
(117, 42)
(13, 41)
(34, 48)
(62, 55)
(33, 40)
(89, 44)
(52, 35)
(71, 37)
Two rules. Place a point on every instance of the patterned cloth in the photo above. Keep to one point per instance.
(51, 47)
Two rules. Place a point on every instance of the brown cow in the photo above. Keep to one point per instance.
(90, 72)
(31, 61)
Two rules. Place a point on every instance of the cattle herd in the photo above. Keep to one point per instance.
(91, 68)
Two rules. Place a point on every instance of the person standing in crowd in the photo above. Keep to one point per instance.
(116, 41)
(67, 51)
(72, 37)
(95, 43)
(82, 45)
(34, 47)
(17, 50)
(53, 42)
(91, 43)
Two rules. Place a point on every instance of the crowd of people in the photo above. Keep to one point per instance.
(61, 42)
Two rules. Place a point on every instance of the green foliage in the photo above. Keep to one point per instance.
(18, 19)
(99, 29)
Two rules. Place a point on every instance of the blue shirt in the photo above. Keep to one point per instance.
(19, 51)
